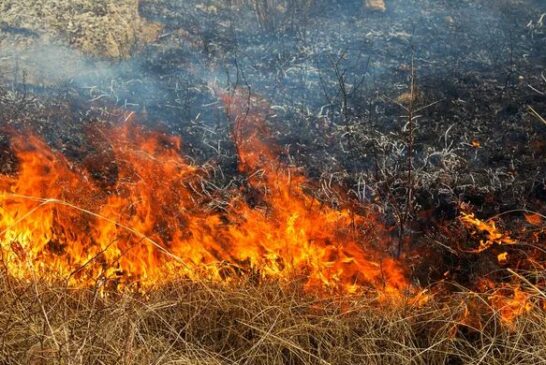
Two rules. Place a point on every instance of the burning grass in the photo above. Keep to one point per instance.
(136, 271)
(149, 226)
(124, 244)
(207, 323)
(119, 257)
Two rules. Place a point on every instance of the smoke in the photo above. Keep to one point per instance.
(320, 59)
(48, 64)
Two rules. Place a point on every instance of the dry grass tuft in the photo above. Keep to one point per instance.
(198, 323)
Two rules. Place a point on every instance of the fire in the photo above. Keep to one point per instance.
(502, 257)
(489, 229)
(508, 298)
(142, 224)
(511, 303)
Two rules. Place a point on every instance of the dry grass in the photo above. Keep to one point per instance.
(197, 323)
(101, 28)
(376, 5)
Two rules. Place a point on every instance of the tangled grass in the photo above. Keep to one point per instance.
(266, 323)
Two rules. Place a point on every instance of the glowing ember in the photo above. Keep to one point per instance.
(148, 226)
(534, 219)
(502, 257)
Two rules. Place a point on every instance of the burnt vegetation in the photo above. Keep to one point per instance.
(423, 122)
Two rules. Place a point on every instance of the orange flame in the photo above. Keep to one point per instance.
(508, 300)
(147, 226)
(492, 234)
(511, 305)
